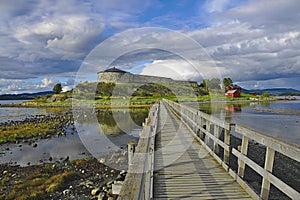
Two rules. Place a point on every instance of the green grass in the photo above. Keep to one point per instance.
(28, 130)
(37, 184)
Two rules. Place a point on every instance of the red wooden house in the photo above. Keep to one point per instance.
(233, 91)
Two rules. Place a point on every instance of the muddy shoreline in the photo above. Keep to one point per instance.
(83, 179)
(86, 178)
(35, 127)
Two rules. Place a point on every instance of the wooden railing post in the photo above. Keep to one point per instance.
(227, 141)
(241, 163)
(197, 122)
(201, 123)
(208, 129)
(216, 134)
(269, 161)
(131, 150)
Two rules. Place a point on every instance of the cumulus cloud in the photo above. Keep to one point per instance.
(66, 88)
(182, 69)
(13, 86)
(258, 41)
(46, 82)
(53, 37)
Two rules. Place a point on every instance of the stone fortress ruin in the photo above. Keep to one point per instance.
(118, 76)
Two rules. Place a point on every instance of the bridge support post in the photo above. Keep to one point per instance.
(208, 129)
(226, 141)
(269, 161)
(217, 135)
(131, 150)
(244, 151)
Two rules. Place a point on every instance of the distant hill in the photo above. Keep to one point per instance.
(274, 91)
(24, 96)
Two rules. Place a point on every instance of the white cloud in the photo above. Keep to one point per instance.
(257, 42)
(12, 86)
(182, 70)
(66, 88)
(47, 82)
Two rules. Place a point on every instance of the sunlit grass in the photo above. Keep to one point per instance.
(28, 130)
(37, 184)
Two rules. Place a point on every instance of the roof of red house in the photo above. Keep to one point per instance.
(231, 91)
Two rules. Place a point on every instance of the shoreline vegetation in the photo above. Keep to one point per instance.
(132, 95)
(86, 178)
(35, 127)
(135, 102)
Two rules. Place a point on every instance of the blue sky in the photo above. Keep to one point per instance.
(256, 43)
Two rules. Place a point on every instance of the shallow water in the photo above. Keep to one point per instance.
(113, 130)
(93, 139)
(277, 119)
(15, 113)
(59, 148)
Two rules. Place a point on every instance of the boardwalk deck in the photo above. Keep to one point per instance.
(183, 168)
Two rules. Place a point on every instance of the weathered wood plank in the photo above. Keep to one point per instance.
(194, 174)
(278, 145)
(288, 190)
(244, 150)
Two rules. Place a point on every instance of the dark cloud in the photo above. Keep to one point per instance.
(256, 41)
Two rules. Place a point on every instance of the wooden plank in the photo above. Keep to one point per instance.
(288, 190)
(192, 175)
(227, 142)
(241, 163)
(135, 178)
(290, 150)
(212, 119)
(193, 116)
(269, 161)
(208, 134)
(216, 137)
(217, 140)
(244, 185)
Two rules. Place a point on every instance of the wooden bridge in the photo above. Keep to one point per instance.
(186, 154)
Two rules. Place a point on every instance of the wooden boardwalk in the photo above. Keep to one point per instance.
(184, 169)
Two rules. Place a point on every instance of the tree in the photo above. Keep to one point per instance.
(213, 83)
(57, 88)
(204, 85)
(226, 82)
(266, 94)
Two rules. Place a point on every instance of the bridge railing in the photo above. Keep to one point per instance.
(215, 135)
(138, 183)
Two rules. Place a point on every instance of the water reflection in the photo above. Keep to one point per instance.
(112, 130)
(233, 108)
(279, 119)
(20, 113)
(119, 121)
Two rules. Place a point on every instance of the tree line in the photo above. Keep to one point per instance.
(217, 84)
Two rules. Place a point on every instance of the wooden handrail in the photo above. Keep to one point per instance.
(138, 183)
(272, 145)
(200, 123)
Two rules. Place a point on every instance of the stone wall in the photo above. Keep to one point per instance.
(116, 77)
